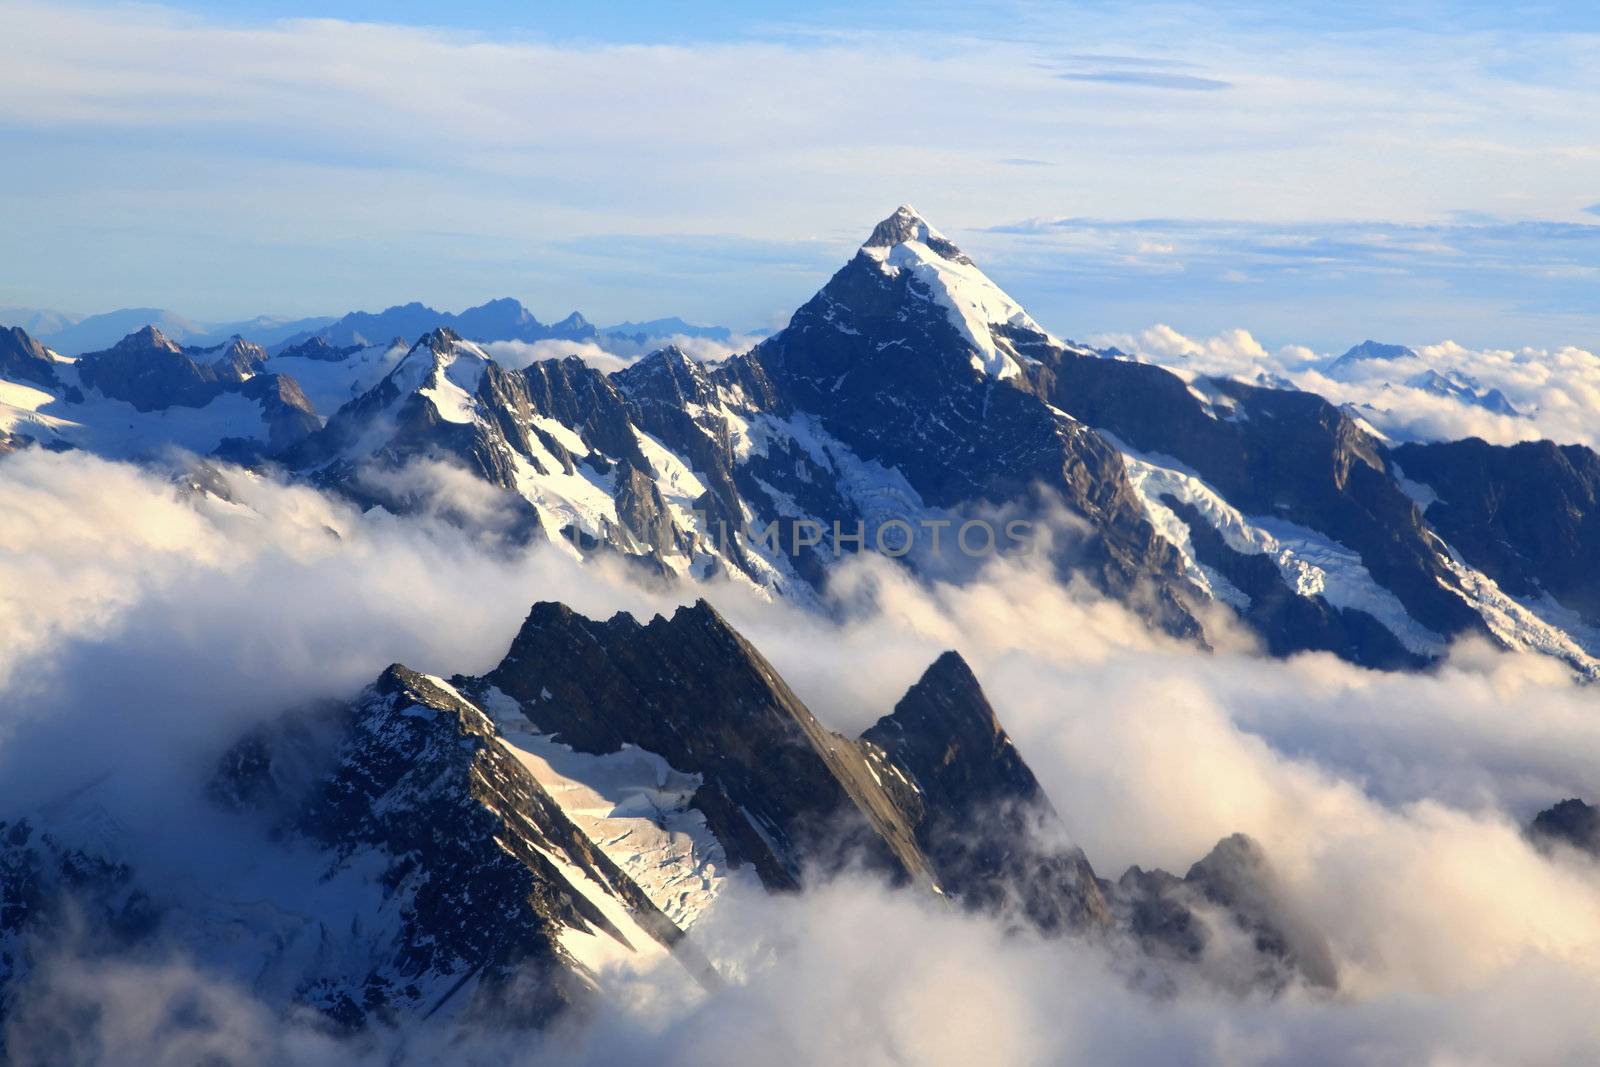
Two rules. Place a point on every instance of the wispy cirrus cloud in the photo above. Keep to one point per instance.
(1149, 79)
(307, 166)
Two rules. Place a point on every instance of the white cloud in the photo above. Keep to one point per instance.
(1232, 352)
(1556, 392)
(1388, 802)
(614, 352)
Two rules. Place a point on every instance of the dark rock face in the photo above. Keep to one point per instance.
(466, 840)
(472, 878)
(934, 793)
(1571, 822)
(1527, 515)
(1288, 622)
(881, 404)
(401, 425)
(979, 814)
(24, 359)
(1234, 882)
(234, 360)
(781, 792)
(886, 372)
(876, 406)
(1237, 876)
(153, 373)
(288, 413)
(416, 428)
(1279, 453)
(150, 372)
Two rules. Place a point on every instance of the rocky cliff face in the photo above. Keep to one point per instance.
(222, 399)
(1526, 515)
(1285, 455)
(57, 897)
(1572, 823)
(492, 901)
(780, 791)
(149, 372)
(26, 360)
(1229, 915)
(976, 809)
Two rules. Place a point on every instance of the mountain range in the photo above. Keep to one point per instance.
(504, 319)
(485, 846)
(911, 391)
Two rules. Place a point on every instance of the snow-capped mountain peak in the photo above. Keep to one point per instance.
(446, 370)
(976, 306)
(907, 224)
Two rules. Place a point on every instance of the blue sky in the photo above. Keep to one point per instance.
(1415, 171)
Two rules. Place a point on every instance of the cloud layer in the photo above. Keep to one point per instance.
(1555, 394)
(143, 629)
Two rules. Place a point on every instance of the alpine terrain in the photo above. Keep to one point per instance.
(502, 850)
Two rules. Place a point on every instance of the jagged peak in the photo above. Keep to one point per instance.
(397, 678)
(946, 703)
(671, 359)
(668, 374)
(668, 355)
(700, 613)
(981, 312)
(445, 370)
(1571, 822)
(545, 612)
(18, 339)
(446, 346)
(440, 339)
(907, 225)
(148, 336)
(552, 615)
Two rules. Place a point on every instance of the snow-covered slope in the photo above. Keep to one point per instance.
(977, 307)
(147, 395)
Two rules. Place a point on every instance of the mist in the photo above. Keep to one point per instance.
(143, 629)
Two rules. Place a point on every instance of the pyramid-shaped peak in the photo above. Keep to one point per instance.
(146, 337)
(906, 226)
(441, 340)
(986, 319)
